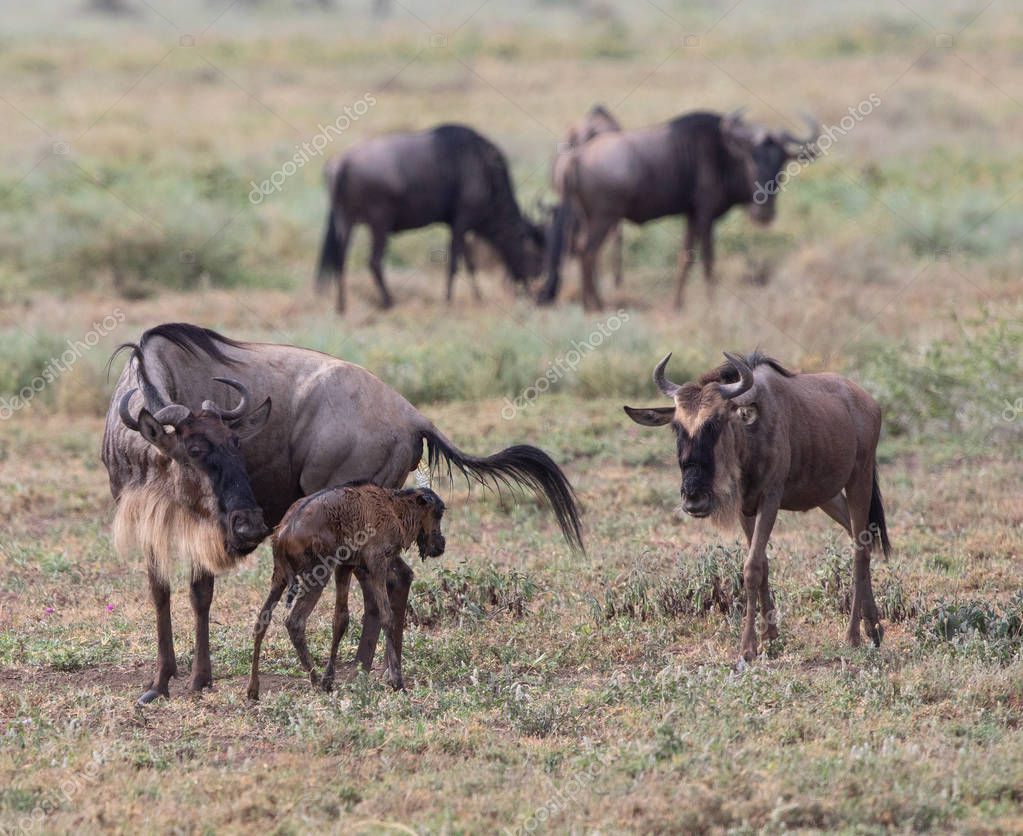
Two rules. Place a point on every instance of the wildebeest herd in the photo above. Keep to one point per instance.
(211, 443)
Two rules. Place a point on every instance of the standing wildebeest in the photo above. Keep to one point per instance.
(699, 165)
(449, 174)
(754, 438)
(598, 121)
(336, 531)
(208, 490)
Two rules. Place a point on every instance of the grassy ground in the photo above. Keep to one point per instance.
(546, 690)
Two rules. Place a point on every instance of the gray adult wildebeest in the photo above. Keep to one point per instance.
(448, 174)
(208, 490)
(597, 121)
(698, 165)
(755, 438)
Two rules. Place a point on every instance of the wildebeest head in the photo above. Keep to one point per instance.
(430, 539)
(764, 153)
(711, 418)
(206, 447)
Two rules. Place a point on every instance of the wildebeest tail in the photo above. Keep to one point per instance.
(522, 465)
(329, 265)
(555, 245)
(875, 518)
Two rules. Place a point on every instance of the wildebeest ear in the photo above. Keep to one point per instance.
(652, 416)
(250, 424)
(153, 432)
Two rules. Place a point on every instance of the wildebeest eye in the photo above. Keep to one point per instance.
(195, 451)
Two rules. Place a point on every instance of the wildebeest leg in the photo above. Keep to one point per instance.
(201, 593)
(296, 623)
(456, 251)
(278, 585)
(838, 509)
(858, 493)
(342, 580)
(399, 582)
(378, 569)
(706, 232)
(370, 623)
(618, 255)
(166, 666)
(754, 574)
(686, 257)
(470, 265)
(596, 232)
(379, 231)
(769, 627)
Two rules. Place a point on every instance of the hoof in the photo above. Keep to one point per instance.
(854, 638)
(876, 634)
(197, 686)
(327, 684)
(253, 693)
(314, 678)
(149, 696)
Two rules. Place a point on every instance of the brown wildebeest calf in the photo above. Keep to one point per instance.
(360, 528)
(755, 438)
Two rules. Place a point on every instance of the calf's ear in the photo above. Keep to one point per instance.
(653, 416)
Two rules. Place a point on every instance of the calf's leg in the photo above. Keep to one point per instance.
(296, 622)
(377, 569)
(277, 587)
(342, 580)
(166, 666)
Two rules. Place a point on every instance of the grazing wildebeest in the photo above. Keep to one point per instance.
(335, 531)
(755, 438)
(597, 121)
(448, 174)
(207, 491)
(699, 165)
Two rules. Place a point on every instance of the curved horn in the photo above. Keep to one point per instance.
(666, 386)
(745, 383)
(124, 412)
(173, 414)
(808, 142)
(238, 411)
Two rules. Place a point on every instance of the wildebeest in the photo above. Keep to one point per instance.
(207, 491)
(448, 174)
(597, 121)
(335, 531)
(755, 438)
(698, 165)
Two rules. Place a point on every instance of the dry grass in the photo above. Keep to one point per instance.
(596, 688)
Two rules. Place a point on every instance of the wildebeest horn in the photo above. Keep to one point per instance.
(666, 386)
(172, 414)
(734, 125)
(124, 412)
(745, 382)
(238, 411)
(806, 143)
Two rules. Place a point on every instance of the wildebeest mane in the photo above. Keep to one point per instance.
(726, 373)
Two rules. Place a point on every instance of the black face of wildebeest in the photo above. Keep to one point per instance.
(207, 447)
(696, 461)
(767, 160)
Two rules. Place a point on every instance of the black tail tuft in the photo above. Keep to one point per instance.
(522, 465)
(330, 256)
(555, 245)
(876, 522)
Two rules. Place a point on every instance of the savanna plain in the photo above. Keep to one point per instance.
(547, 690)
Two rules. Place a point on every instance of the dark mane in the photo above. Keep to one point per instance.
(726, 374)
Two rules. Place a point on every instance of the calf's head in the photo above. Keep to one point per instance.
(711, 418)
(764, 153)
(209, 472)
(429, 538)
